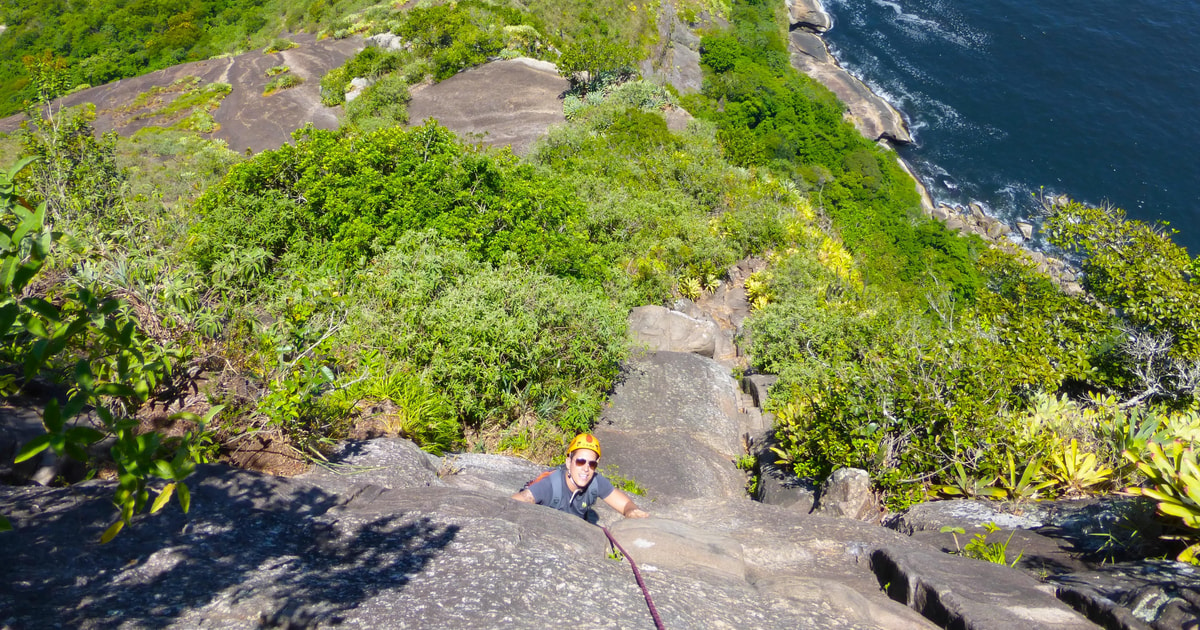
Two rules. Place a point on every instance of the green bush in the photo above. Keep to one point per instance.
(282, 82)
(356, 194)
(383, 104)
(500, 341)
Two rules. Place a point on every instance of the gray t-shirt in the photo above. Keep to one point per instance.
(571, 503)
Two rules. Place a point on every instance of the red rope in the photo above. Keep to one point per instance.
(638, 575)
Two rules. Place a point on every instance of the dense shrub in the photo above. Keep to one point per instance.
(501, 341)
(356, 194)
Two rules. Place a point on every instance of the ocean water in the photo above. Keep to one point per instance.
(1095, 99)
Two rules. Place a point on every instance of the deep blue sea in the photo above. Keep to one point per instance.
(1096, 99)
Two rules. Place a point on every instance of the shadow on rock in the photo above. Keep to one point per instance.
(251, 552)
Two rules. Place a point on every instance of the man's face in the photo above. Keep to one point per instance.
(581, 465)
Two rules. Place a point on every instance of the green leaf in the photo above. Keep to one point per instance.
(84, 435)
(33, 447)
(52, 416)
(111, 532)
(5, 525)
(163, 498)
(163, 469)
(185, 497)
(42, 307)
(8, 315)
(120, 390)
(84, 376)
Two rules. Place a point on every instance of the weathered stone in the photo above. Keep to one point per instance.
(661, 329)
(510, 102)
(357, 86)
(978, 213)
(976, 596)
(874, 117)
(666, 544)
(816, 593)
(956, 224)
(1072, 288)
(386, 41)
(1026, 230)
(996, 229)
(808, 14)
(386, 462)
(933, 515)
(781, 488)
(811, 45)
(941, 213)
(847, 494)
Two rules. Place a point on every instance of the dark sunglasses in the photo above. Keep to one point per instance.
(579, 461)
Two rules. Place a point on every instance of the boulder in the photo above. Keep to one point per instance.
(808, 14)
(847, 494)
(996, 229)
(386, 41)
(956, 224)
(1026, 229)
(357, 86)
(661, 329)
(942, 213)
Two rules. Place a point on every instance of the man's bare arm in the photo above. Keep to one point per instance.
(621, 502)
(524, 496)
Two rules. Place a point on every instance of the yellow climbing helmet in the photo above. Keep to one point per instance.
(585, 440)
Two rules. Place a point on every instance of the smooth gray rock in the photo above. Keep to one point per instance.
(934, 515)
(665, 544)
(847, 493)
(662, 329)
(384, 462)
(973, 596)
(808, 14)
(678, 394)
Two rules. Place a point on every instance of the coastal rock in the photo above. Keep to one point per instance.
(874, 117)
(955, 224)
(996, 229)
(1026, 230)
(811, 45)
(942, 213)
(808, 14)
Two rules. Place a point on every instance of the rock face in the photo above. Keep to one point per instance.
(659, 328)
(504, 103)
(387, 536)
(247, 119)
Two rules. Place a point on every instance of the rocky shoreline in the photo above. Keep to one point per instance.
(877, 119)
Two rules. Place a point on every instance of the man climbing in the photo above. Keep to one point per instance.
(574, 487)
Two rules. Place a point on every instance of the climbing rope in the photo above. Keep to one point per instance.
(638, 575)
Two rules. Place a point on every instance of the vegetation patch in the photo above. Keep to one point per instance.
(282, 82)
(186, 104)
